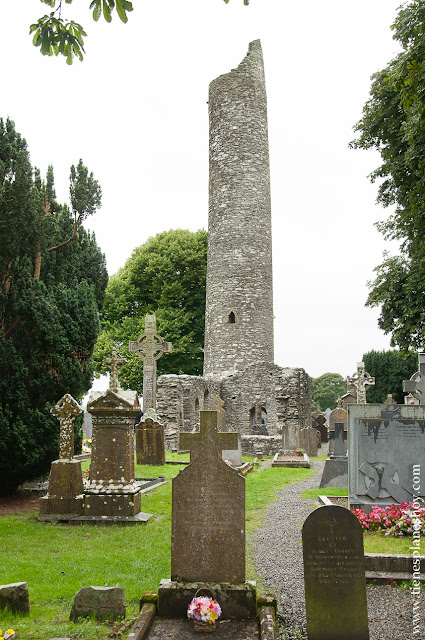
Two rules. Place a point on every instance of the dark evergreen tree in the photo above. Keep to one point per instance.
(389, 369)
(49, 302)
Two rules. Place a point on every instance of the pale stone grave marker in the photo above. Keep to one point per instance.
(334, 575)
(208, 510)
(359, 382)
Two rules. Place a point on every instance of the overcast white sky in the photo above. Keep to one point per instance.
(135, 111)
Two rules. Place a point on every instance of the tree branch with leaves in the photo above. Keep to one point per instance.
(57, 36)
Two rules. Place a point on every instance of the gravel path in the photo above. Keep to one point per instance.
(278, 556)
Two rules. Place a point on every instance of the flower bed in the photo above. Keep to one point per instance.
(396, 520)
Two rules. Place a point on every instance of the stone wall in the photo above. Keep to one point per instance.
(179, 402)
(284, 396)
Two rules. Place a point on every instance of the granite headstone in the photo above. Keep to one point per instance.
(386, 445)
(334, 575)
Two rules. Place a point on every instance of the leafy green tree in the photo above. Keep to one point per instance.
(393, 122)
(49, 302)
(327, 388)
(165, 276)
(389, 369)
(59, 36)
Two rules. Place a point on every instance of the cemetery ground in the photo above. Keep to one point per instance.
(57, 560)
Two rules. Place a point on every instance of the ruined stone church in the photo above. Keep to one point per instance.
(267, 404)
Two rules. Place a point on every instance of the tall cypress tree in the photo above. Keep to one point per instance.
(49, 303)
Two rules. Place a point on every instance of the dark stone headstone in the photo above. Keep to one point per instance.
(15, 597)
(339, 436)
(150, 442)
(334, 575)
(320, 425)
(105, 603)
(337, 415)
(208, 510)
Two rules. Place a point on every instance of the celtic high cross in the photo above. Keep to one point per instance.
(149, 347)
(360, 380)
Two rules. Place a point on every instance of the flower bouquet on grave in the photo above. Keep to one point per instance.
(204, 611)
(8, 635)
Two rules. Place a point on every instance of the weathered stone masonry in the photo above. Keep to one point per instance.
(265, 403)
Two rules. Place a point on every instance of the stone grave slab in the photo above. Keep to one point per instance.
(105, 603)
(334, 575)
(308, 441)
(335, 472)
(15, 597)
(337, 415)
(386, 445)
(150, 442)
(208, 513)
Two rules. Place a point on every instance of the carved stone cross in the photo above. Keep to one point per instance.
(416, 384)
(149, 347)
(66, 410)
(114, 363)
(360, 380)
(209, 442)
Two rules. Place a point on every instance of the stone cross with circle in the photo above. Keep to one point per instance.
(360, 380)
(149, 347)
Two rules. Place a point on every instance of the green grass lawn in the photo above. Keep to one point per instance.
(57, 560)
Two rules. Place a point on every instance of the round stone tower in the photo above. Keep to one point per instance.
(239, 304)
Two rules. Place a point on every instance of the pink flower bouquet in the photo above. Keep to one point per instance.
(204, 609)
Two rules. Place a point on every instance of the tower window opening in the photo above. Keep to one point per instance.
(232, 318)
